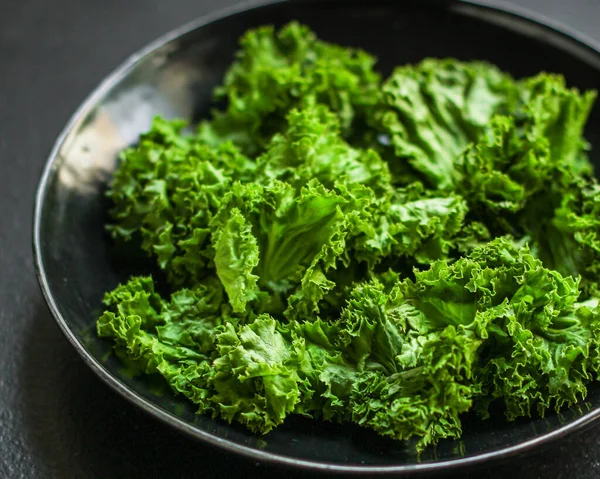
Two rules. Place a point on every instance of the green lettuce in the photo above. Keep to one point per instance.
(494, 325)
(275, 72)
(430, 112)
(533, 165)
(390, 254)
(165, 193)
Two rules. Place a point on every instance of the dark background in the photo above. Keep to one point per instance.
(56, 418)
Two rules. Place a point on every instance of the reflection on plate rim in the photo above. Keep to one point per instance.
(514, 12)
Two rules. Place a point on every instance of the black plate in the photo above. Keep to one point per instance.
(174, 77)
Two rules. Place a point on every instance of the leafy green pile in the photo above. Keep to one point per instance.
(392, 253)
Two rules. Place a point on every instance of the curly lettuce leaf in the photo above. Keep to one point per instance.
(256, 378)
(430, 112)
(569, 240)
(166, 191)
(560, 114)
(537, 337)
(277, 71)
(299, 237)
(311, 148)
(414, 227)
(173, 339)
(423, 402)
(527, 166)
(236, 256)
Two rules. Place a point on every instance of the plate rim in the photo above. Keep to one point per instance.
(119, 73)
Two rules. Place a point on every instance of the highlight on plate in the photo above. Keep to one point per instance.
(392, 252)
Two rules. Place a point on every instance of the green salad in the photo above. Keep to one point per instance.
(392, 252)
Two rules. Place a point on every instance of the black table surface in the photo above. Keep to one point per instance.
(56, 418)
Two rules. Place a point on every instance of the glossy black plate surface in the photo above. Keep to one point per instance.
(174, 77)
